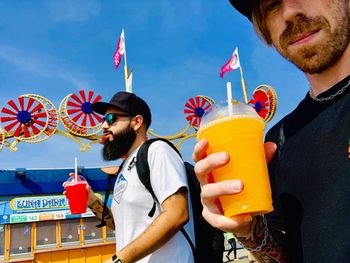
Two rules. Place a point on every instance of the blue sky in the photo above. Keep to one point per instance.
(174, 48)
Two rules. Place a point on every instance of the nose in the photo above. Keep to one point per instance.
(291, 9)
(105, 125)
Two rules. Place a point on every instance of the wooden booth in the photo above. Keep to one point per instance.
(36, 224)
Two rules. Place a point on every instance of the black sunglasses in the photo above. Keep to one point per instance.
(110, 118)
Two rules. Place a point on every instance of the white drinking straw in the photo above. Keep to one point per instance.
(75, 169)
(229, 97)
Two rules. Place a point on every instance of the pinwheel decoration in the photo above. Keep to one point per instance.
(195, 109)
(2, 139)
(264, 101)
(25, 118)
(76, 113)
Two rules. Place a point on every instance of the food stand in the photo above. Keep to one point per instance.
(36, 224)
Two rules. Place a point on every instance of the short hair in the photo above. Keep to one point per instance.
(258, 20)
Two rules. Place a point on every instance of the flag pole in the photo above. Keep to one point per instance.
(126, 73)
(229, 97)
(243, 85)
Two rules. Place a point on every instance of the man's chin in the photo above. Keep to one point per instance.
(107, 156)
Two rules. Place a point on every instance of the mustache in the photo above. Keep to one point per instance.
(107, 132)
(299, 25)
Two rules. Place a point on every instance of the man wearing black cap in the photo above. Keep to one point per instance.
(308, 150)
(140, 238)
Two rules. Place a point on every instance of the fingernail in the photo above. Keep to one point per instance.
(202, 142)
(223, 156)
(236, 185)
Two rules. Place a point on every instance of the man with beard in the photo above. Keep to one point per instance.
(307, 150)
(140, 238)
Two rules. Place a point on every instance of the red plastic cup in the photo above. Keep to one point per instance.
(76, 194)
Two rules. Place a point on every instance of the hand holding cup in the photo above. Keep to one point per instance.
(76, 191)
(211, 191)
(77, 194)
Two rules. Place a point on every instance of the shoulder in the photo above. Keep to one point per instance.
(160, 148)
(274, 133)
(160, 145)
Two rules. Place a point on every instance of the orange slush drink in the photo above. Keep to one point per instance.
(242, 137)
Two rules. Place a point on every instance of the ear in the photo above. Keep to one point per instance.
(137, 122)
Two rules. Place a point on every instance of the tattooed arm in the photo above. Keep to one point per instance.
(173, 217)
(265, 243)
(96, 207)
(96, 204)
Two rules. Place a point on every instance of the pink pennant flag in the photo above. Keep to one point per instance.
(120, 50)
(231, 64)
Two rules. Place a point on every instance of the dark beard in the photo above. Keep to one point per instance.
(121, 144)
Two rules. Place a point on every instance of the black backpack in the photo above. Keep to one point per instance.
(209, 240)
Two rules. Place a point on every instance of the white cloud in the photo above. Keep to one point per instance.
(23, 60)
(40, 65)
(73, 10)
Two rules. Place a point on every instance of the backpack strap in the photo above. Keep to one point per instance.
(108, 191)
(193, 248)
(143, 172)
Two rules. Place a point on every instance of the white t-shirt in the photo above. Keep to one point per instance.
(132, 202)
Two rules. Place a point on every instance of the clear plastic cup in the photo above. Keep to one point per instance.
(76, 194)
(239, 130)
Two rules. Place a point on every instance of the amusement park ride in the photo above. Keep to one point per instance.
(32, 118)
(31, 201)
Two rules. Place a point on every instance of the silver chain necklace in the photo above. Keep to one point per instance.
(331, 96)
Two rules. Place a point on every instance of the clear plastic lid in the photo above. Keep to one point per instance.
(220, 110)
(71, 180)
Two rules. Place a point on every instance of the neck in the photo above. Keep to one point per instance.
(321, 82)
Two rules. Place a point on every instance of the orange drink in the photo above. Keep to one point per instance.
(241, 135)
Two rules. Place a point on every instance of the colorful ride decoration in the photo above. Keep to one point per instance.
(32, 118)
(29, 118)
(195, 109)
(51, 119)
(264, 101)
(77, 116)
(2, 139)
(24, 118)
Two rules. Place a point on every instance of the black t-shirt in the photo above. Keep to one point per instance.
(310, 178)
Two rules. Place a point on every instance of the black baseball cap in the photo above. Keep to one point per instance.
(127, 102)
(245, 7)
